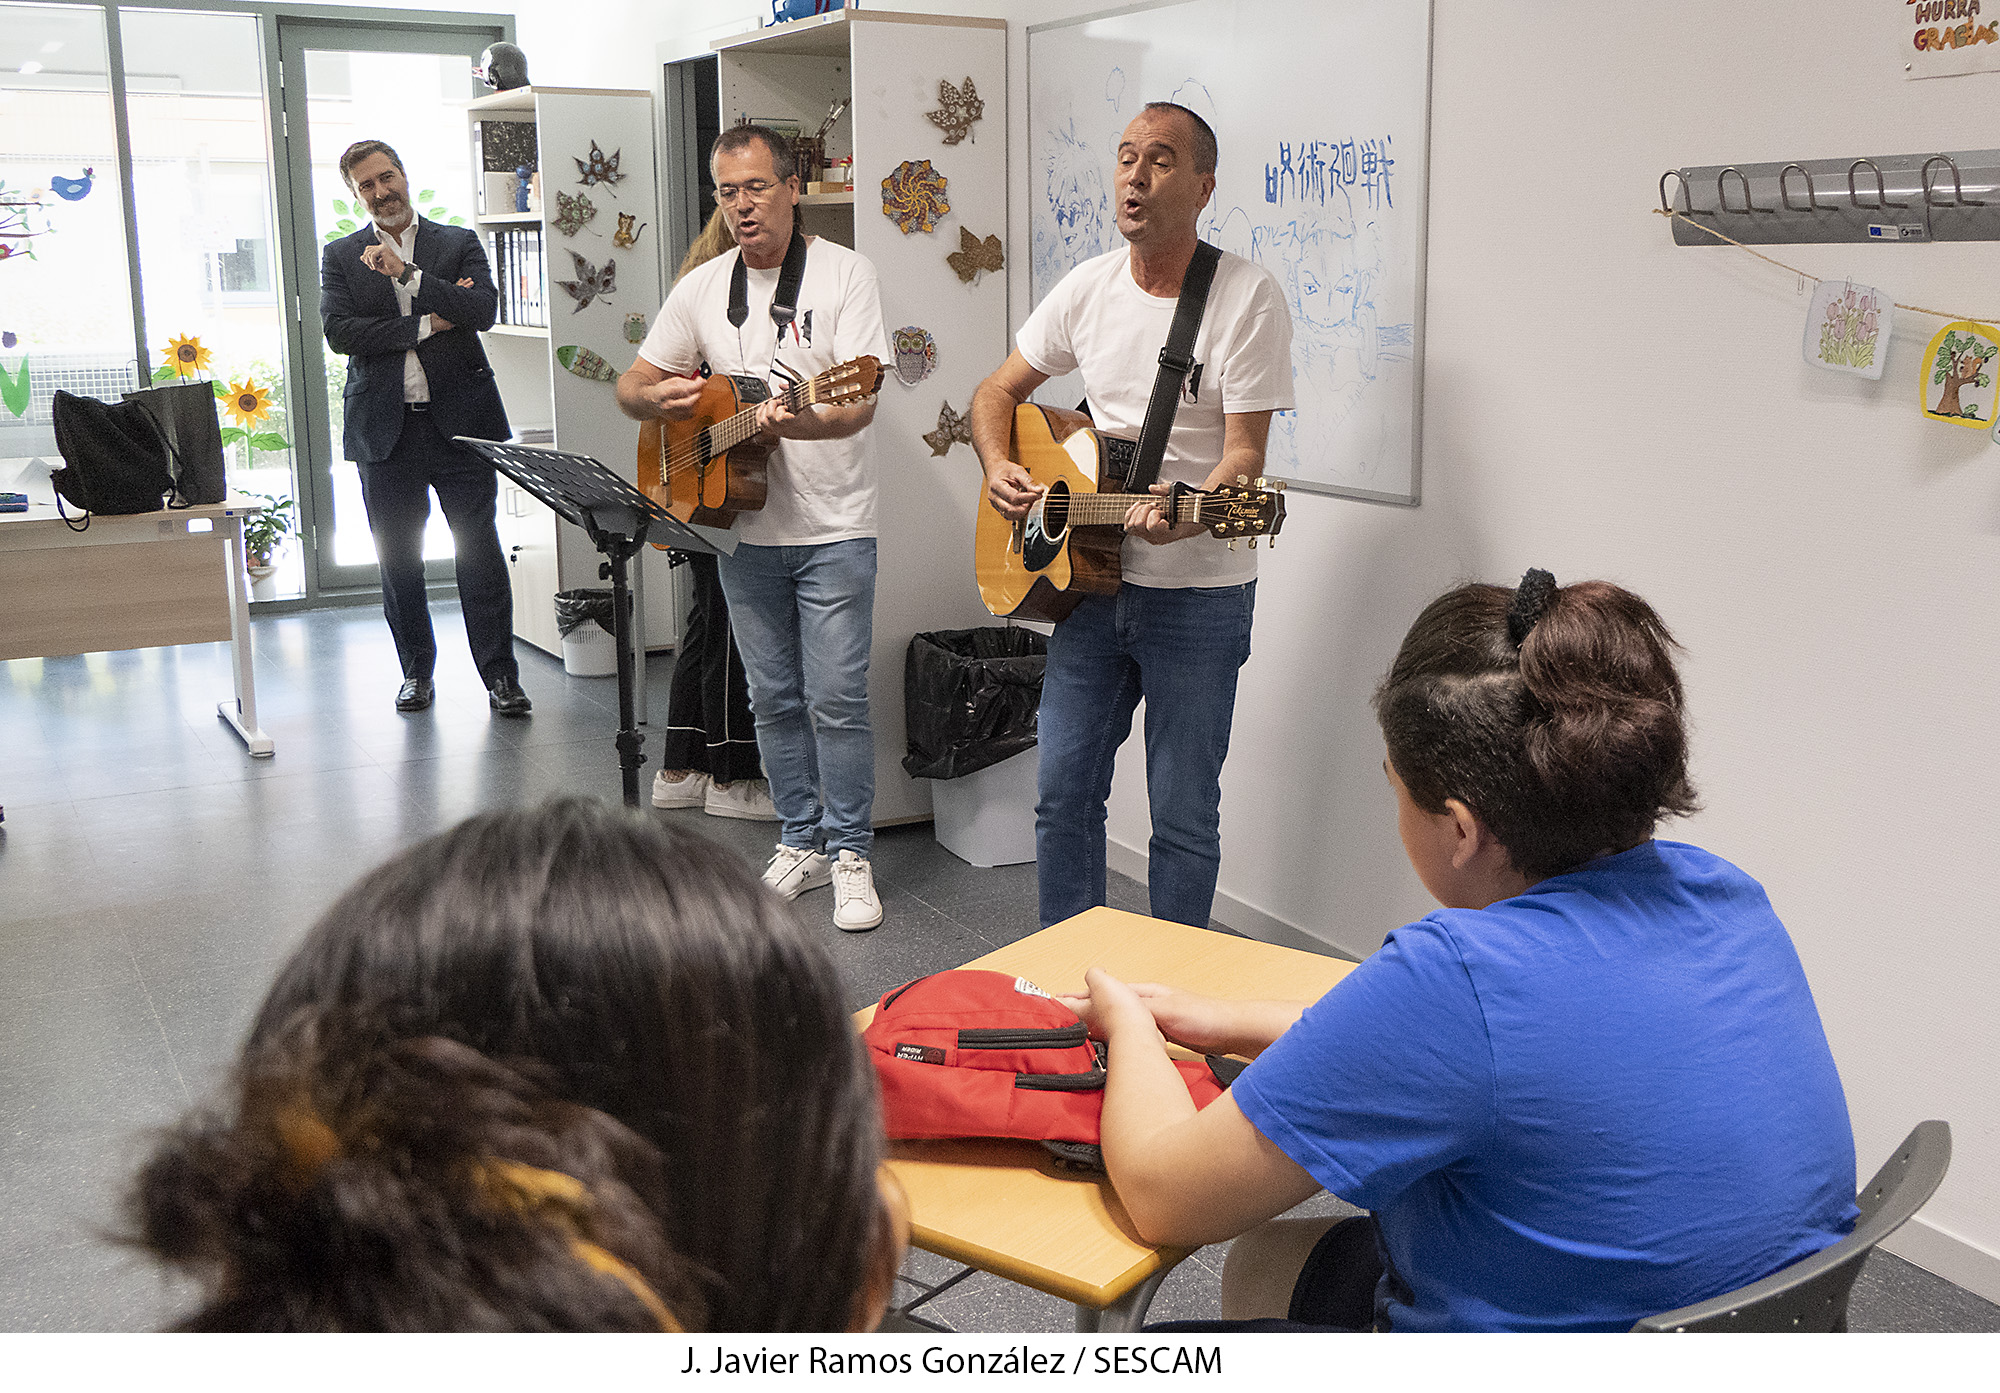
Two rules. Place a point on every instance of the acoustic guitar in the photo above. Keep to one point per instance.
(1068, 545)
(707, 469)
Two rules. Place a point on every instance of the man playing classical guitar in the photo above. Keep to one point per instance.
(801, 586)
(1178, 628)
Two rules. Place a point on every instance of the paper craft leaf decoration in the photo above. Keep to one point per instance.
(1847, 328)
(590, 282)
(974, 256)
(1958, 374)
(14, 388)
(572, 212)
(585, 363)
(961, 107)
(186, 356)
(952, 429)
(627, 235)
(600, 168)
(916, 354)
(914, 196)
(70, 190)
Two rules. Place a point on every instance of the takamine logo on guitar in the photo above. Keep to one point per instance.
(707, 469)
(1042, 566)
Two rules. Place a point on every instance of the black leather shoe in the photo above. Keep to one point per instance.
(507, 697)
(414, 695)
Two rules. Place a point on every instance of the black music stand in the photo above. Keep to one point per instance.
(618, 518)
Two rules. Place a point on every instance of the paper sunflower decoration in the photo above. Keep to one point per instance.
(186, 356)
(248, 403)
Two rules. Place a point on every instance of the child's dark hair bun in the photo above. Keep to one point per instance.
(1553, 712)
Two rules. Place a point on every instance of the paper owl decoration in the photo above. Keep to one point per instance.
(916, 354)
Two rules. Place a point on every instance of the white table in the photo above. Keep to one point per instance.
(141, 580)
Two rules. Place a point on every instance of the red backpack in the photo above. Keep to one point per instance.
(970, 1053)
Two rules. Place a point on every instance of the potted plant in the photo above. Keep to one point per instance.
(263, 531)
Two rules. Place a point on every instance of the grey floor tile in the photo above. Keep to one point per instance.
(1892, 1296)
(63, 953)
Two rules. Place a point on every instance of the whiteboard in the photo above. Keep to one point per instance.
(1321, 110)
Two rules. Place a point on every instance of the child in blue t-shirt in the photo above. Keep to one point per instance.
(1591, 1087)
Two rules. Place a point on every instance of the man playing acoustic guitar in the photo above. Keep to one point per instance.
(801, 586)
(1178, 628)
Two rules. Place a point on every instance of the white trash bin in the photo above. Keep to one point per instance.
(988, 818)
(588, 651)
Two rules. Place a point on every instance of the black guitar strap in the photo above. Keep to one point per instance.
(785, 300)
(1176, 362)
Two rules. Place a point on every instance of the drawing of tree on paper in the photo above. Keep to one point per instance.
(1847, 328)
(1956, 363)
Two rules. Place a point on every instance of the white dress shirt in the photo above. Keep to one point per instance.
(416, 387)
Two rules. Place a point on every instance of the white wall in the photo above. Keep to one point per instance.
(1603, 403)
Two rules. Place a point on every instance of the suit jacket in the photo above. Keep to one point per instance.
(357, 308)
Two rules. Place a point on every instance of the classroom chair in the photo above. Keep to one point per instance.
(1810, 1296)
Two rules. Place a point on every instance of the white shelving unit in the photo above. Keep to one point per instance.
(890, 65)
(545, 402)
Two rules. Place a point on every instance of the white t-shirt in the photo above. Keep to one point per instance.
(819, 490)
(1098, 319)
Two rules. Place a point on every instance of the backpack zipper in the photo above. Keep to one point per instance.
(1054, 1038)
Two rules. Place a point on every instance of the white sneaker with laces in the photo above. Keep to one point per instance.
(856, 907)
(746, 798)
(690, 790)
(795, 869)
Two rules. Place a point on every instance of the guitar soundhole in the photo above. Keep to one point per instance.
(704, 447)
(1047, 526)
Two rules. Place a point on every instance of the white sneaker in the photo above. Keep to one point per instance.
(795, 869)
(688, 791)
(746, 798)
(855, 905)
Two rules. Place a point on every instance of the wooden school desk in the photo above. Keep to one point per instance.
(1007, 1207)
(139, 580)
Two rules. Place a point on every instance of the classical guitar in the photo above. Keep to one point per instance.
(710, 467)
(1067, 546)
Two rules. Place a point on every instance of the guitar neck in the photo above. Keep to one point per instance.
(1109, 509)
(727, 435)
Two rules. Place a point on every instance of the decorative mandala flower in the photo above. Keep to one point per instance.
(914, 196)
(248, 403)
(186, 356)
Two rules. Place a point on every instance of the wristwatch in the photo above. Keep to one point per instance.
(403, 276)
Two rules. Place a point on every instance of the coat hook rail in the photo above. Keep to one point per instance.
(1933, 196)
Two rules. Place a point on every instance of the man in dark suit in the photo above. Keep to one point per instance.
(405, 300)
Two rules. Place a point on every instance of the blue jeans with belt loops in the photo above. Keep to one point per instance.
(1180, 650)
(805, 619)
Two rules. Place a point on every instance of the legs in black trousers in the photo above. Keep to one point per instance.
(709, 726)
(397, 494)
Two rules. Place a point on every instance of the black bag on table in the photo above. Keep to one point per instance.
(115, 453)
(186, 414)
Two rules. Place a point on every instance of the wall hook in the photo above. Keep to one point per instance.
(1959, 200)
(1687, 197)
(1722, 199)
(1881, 193)
(1813, 205)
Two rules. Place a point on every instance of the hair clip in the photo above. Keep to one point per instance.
(1531, 599)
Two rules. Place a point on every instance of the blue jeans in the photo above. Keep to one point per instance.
(1180, 650)
(804, 620)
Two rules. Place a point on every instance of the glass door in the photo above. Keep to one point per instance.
(408, 87)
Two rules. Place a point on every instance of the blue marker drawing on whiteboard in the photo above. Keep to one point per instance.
(1114, 87)
(1079, 223)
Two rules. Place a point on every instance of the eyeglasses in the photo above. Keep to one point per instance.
(756, 188)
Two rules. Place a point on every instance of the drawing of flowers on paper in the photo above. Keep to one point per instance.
(1847, 328)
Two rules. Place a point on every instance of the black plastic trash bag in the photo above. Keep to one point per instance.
(970, 698)
(576, 608)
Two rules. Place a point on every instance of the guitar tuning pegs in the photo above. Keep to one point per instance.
(1277, 486)
(1232, 544)
(1253, 544)
(1242, 479)
(1260, 482)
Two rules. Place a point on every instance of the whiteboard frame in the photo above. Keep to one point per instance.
(1414, 497)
